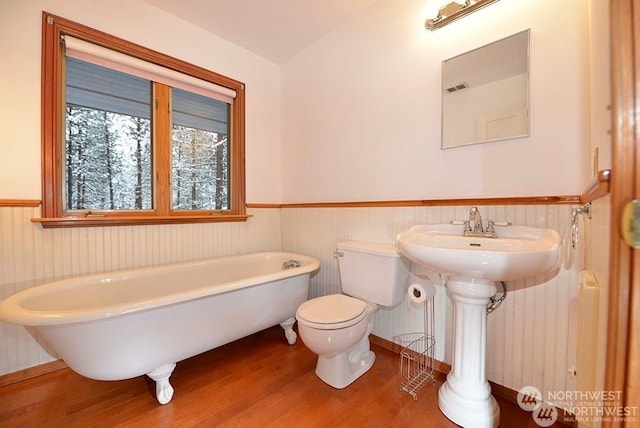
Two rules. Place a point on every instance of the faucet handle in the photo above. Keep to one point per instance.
(491, 225)
(465, 223)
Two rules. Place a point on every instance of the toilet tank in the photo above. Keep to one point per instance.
(373, 272)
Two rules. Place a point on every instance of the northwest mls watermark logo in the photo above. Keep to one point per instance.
(545, 414)
(578, 406)
(530, 400)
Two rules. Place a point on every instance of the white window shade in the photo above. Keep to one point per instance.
(89, 52)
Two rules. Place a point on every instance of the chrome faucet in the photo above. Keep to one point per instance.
(473, 226)
(475, 219)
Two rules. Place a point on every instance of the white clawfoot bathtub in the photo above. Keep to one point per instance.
(124, 324)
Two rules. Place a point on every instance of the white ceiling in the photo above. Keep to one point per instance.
(274, 29)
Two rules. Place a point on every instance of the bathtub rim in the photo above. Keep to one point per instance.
(12, 311)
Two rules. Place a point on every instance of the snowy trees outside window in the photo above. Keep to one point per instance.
(131, 136)
(199, 169)
(108, 164)
(108, 160)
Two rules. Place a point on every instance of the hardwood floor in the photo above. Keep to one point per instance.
(258, 381)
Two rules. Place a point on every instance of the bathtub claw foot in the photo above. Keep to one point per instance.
(288, 330)
(164, 390)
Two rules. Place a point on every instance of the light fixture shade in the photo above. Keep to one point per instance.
(455, 10)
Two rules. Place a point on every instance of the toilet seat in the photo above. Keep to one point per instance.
(332, 312)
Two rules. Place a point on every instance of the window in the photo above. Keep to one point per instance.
(131, 136)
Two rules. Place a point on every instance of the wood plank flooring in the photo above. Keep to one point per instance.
(258, 381)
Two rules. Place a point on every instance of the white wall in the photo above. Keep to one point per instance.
(600, 68)
(361, 107)
(136, 21)
(597, 231)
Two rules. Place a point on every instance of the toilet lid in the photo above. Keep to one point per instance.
(333, 311)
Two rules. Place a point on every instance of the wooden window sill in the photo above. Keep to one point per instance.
(49, 223)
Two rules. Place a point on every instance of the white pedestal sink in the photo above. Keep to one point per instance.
(465, 397)
(472, 265)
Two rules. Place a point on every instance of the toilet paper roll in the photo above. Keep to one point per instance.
(418, 294)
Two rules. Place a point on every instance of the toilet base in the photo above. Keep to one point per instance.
(340, 371)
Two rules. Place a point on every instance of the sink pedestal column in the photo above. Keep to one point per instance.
(465, 398)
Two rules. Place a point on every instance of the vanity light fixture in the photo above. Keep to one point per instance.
(454, 10)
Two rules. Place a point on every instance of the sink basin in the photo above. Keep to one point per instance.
(518, 252)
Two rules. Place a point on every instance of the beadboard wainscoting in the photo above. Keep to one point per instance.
(30, 255)
(531, 336)
(598, 241)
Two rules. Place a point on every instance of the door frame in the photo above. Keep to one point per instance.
(623, 333)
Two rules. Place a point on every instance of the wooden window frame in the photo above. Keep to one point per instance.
(53, 212)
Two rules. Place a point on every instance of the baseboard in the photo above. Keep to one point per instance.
(443, 369)
(31, 372)
(439, 366)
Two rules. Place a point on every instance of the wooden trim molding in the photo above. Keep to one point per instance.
(597, 188)
(264, 206)
(50, 223)
(31, 372)
(20, 203)
(513, 200)
(396, 348)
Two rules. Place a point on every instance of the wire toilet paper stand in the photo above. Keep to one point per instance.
(416, 356)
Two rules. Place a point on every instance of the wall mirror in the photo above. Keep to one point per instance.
(485, 93)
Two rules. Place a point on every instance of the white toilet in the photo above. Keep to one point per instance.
(337, 327)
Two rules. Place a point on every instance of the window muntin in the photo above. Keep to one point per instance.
(156, 200)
